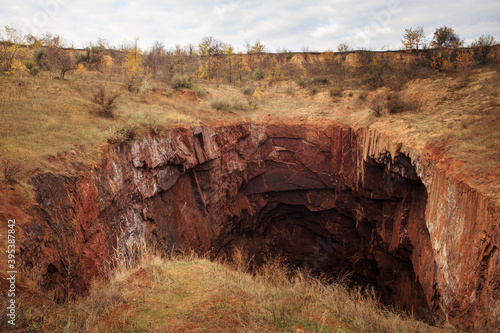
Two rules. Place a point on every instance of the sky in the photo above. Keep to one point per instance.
(314, 25)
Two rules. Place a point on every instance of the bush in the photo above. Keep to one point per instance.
(32, 66)
(106, 102)
(181, 81)
(227, 105)
(200, 92)
(396, 104)
(319, 81)
(12, 170)
(336, 92)
(248, 90)
(314, 90)
(257, 74)
(125, 133)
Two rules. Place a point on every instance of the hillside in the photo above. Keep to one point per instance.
(188, 293)
(391, 159)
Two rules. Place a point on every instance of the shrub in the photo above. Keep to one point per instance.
(336, 92)
(181, 81)
(396, 104)
(125, 133)
(226, 105)
(220, 104)
(314, 90)
(106, 102)
(377, 107)
(257, 74)
(11, 170)
(32, 66)
(248, 90)
(319, 80)
(200, 92)
(441, 62)
(362, 96)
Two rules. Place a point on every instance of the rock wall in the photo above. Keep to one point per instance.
(330, 198)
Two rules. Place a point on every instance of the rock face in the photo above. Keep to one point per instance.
(330, 198)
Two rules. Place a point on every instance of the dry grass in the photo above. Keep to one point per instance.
(43, 117)
(187, 292)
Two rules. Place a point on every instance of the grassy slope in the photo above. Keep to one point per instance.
(43, 117)
(191, 294)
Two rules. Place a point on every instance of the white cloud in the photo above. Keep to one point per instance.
(317, 24)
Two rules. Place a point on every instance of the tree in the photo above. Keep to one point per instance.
(63, 58)
(257, 47)
(412, 38)
(446, 37)
(154, 56)
(229, 52)
(482, 47)
(132, 66)
(242, 68)
(209, 46)
(343, 47)
(179, 60)
(11, 46)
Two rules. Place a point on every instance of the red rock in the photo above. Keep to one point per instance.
(331, 198)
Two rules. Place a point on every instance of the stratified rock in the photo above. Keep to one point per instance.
(330, 198)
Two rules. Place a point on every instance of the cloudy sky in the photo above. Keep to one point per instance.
(290, 24)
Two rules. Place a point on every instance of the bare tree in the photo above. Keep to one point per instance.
(63, 58)
(154, 56)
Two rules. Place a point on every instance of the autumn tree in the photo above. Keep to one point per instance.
(216, 66)
(209, 46)
(190, 49)
(11, 51)
(446, 37)
(229, 54)
(242, 68)
(94, 53)
(132, 66)
(155, 56)
(179, 60)
(412, 38)
(482, 47)
(257, 47)
(344, 47)
(275, 72)
(59, 55)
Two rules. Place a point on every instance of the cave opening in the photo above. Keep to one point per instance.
(370, 234)
(313, 196)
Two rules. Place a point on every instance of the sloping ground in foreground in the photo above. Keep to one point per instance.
(192, 294)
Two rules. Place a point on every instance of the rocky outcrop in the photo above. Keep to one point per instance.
(330, 198)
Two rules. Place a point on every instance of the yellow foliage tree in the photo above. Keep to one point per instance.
(275, 72)
(12, 51)
(242, 68)
(132, 67)
(229, 52)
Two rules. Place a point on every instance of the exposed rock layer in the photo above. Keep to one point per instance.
(332, 199)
